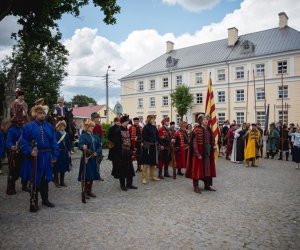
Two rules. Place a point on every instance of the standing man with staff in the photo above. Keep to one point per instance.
(40, 149)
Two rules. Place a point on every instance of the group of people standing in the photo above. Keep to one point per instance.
(246, 142)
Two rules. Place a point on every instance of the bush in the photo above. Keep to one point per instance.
(105, 128)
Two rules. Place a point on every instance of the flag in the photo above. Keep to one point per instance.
(267, 119)
(210, 109)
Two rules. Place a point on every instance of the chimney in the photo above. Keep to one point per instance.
(283, 20)
(170, 46)
(232, 36)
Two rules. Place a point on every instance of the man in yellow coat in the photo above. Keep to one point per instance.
(253, 145)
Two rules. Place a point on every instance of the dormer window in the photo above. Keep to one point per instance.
(247, 47)
(171, 62)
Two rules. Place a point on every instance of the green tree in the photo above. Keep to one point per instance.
(182, 100)
(83, 100)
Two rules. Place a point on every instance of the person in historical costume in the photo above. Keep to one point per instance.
(123, 167)
(272, 138)
(136, 142)
(19, 106)
(88, 172)
(284, 144)
(60, 109)
(150, 140)
(63, 162)
(164, 158)
(237, 154)
(201, 159)
(172, 149)
(225, 129)
(296, 146)
(112, 153)
(38, 102)
(229, 138)
(181, 147)
(40, 149)
(253, 149)
(96, 118)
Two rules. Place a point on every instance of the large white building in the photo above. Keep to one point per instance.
(273, 53)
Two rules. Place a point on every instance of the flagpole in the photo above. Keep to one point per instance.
(282, 114)
(254, 86)
(265, 104)
(274, 113)
(247, 96)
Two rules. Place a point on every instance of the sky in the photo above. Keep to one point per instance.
(142, 29)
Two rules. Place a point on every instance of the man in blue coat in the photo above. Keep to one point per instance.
(14, 154)
(40, 149)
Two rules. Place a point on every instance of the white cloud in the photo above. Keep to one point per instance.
(90, 54)
(194, 5)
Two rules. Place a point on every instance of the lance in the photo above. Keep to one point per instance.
(254, 86)
(282, 114)
(247, 96)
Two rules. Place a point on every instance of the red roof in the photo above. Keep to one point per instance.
(85, 112)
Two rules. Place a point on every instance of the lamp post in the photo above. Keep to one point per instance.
(106, 81)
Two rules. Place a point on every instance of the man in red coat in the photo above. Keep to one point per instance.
(201, 160)
(181, 146)
(136, 139)
(229, 138)
(96, 118)
(165, 144)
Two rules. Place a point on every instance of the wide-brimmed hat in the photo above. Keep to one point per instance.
(60, 99)
(39, 101)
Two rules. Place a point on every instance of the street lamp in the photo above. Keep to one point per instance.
(106, 81)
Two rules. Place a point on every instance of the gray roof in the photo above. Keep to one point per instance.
(265, 42)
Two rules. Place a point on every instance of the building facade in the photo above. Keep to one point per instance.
(248, 72)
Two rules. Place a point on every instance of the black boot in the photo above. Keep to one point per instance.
(25, 186)
(160, 176)
(179, 172)
(166, 171)
(280, 156)
(268, 155)
(34, 204)
(287, 154)
(56, 182)
(45, 200)
(174, 173)
(62, 179)
(11, 187)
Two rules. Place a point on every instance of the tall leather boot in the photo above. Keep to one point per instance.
(44, 190)
(196, 186)
(24, 186)
(144, 174)
(166, 171)
(160, 176)
(62, 179)
(280, 156)
(287, 154)
(174, 173)
(34, 203)
(56, 182)
(179, 172)
(11, 187)
(152, 174)
(89, 191)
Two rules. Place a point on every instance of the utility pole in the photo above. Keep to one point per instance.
(106, 81)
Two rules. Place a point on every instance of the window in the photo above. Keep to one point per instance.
(179, 80)
(164, 116)
(284, 118)
(260, 94)
(105, 112)
(165, 101)
(141, 86)
(240, 117)
(282, 67)
(152, 102)
(221, 96)
(152, 84)
(283, 93)
(239, 71)
(198, 78)
(199, 98)
(260, 69)
(261, 117)
(240, 95)
(165, 82)
(140, 103)
(221, 117)
(246, 46)
(221, 75)
(178, 119)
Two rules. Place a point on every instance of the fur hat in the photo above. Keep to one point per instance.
(124, 118)
(39, 101)
(89, 123)
(38, 109)
(46, 109)
(60, 99)
(60, 123)
(20, 92)
(172, 123)
(166, 119)
(136, 119)
(95, 115)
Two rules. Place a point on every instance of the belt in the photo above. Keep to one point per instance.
(45, 150)
(62, 149)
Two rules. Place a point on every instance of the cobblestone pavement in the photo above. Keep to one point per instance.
(254, 208)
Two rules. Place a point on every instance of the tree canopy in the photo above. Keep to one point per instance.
(182, 100)
(83, 100)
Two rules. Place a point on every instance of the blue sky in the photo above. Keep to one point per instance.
(146, 14)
